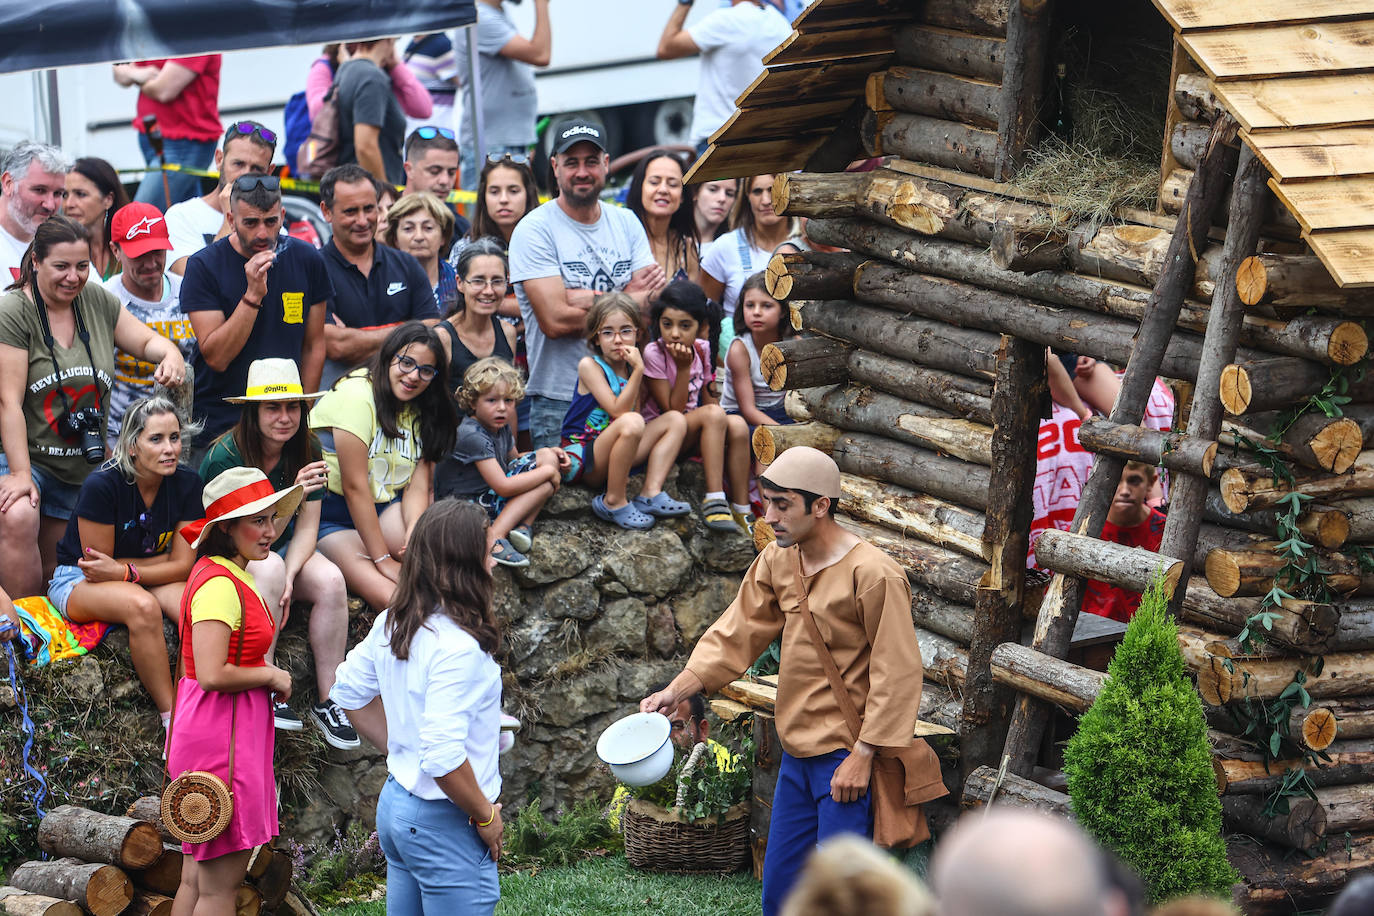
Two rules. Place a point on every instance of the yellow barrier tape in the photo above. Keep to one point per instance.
(294, 184)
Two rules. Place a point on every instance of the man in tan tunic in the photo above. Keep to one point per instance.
(861, 603)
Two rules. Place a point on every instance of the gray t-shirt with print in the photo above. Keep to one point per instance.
(600, 256)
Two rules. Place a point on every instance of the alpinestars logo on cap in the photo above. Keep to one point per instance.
(580, 129)
(142, 227)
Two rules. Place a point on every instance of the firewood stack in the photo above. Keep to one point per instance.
(105, 865)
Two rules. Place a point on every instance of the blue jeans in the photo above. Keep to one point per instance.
(546, 420)
(193, 154)
(804, 815)
(469, 168)
(436, 863)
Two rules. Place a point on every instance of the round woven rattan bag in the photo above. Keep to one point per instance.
(197, 806)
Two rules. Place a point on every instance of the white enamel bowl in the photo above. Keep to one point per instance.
(637, 748)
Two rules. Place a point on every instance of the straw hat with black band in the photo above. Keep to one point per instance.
(241, 492)
(274, 380)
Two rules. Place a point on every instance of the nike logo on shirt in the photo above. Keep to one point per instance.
(395, 288)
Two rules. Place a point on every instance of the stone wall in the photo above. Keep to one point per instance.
(600, 616)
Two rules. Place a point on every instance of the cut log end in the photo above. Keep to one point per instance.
(1348, 344)
(771, 441)
(1337, 445)
(1251, 280)
(776, 278)
(1234, 490)
(1319, 729)
(1223, 573)
(1214, 683)
(782, 192)
(1330, 528)
(1236, 391)
(773, 366)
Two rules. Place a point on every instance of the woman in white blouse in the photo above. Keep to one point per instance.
(423, 684)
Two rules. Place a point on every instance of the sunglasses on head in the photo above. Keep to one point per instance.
(429, 132)
(246, 183)
(517, 158)
(247, 129)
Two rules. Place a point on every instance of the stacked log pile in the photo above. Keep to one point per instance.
(106, 865)
(896, 375)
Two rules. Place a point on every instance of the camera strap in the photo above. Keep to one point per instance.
(83, 333)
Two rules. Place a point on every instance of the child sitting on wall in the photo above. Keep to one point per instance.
(486, 468)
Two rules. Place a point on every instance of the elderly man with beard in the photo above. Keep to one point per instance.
(254, 294)
(192, 224)
(32, 185)
(562, 256)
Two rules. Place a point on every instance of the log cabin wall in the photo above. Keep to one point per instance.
(914, 333)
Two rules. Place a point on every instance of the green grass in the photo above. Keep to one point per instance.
(609, 887)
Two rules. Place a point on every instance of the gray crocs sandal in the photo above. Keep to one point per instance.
(627, 516)
(661, 505)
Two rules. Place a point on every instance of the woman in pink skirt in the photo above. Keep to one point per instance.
(226, 631)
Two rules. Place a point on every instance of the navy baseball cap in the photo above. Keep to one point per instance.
(576, 131)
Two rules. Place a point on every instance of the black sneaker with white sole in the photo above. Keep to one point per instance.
(285, 718)
(333, 722)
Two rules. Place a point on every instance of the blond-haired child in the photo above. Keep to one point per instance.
(486, 468)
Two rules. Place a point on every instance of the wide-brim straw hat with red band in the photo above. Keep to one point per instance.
(274, 380)
(240, 493)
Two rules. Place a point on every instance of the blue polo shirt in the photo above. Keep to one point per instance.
(215, 282)
(395, 290)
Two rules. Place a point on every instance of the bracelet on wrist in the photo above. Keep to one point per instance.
(251, 304)
(491, 817)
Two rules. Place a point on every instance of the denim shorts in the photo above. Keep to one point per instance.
(334, 515)
(55, 498)
(64, 579)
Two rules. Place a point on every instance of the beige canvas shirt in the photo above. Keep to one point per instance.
(862, 607)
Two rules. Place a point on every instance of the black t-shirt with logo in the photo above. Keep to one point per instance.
(215, 282)
(396, 289)
(140, 530)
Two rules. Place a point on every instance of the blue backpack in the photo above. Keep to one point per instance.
(296, 116)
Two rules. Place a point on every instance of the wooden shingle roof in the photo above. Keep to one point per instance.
(1299, 78)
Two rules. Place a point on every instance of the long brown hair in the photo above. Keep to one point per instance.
(444, 571)
(742, 216)
(53, 231)
(296, 452)
(482, 223)
(438, 424)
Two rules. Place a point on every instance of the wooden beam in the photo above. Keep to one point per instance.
(1019, 398)
(1328, 100)
(1185, 15)
(1023, 82)
(1227, 314)
(1265, 52)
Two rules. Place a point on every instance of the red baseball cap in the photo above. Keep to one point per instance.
(139, 228)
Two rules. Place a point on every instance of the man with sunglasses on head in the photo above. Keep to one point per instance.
(247, 149)
(432, 165)
(254, 294)
(376, 287)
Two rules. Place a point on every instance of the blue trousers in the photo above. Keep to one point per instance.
(804, 815)
(436, 863)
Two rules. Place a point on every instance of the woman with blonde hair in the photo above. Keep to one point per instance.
(421, 226)
(119, 561)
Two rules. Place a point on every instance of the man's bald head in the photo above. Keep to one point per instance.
(1017, 863)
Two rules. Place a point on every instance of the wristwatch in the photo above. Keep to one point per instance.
(685, 2)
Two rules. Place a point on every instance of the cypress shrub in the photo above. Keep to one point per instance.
(1140, 770)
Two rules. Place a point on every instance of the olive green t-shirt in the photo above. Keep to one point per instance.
(49, 449)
